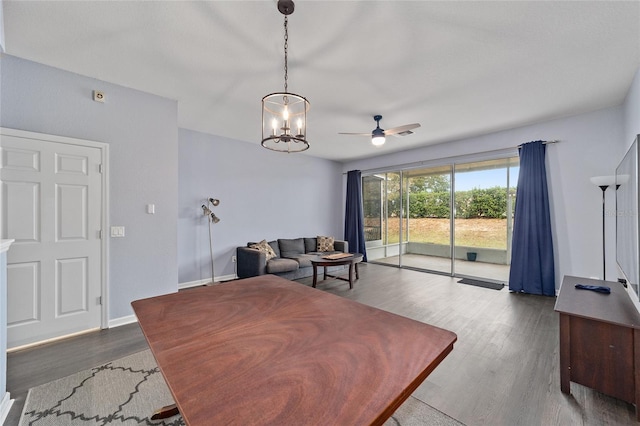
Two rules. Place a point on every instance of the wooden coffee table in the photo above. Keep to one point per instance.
(265, 350)
(323, 261)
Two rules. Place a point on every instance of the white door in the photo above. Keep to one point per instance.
(52, 207)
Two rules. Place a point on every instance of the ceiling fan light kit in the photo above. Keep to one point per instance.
(378, 135)
(284, 114)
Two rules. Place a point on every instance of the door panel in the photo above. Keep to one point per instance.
(23, 283)
(20, 159)
(71, 286)
(71, 211)
(71, 164)
(52, 207)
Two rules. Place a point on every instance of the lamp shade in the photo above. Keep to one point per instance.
(603, 180)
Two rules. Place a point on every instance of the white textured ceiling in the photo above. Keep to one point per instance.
(458, 68)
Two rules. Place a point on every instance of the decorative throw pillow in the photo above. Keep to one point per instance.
(264, 247)
(325, 243)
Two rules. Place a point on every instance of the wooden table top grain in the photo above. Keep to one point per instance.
(265, 350)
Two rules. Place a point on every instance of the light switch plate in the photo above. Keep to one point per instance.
(117, 231)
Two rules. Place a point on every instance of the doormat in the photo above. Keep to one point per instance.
(480, 283)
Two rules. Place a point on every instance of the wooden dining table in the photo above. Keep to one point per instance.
(265, 350)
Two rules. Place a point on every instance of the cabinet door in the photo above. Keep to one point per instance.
(602, 357)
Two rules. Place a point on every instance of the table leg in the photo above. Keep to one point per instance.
(351, 275)
(565, 354)
(165, 412)
(315, 275)
(357, 272)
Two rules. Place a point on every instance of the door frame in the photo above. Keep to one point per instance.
(104, 212)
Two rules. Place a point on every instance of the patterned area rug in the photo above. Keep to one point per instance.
(129, 390)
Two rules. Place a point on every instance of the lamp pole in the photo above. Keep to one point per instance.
(604, 263)
(604, 182)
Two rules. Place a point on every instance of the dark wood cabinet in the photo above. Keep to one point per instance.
(599, 340)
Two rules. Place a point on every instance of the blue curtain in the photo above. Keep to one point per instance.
(532, 268)
(354, 216)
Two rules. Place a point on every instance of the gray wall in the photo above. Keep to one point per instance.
(2, 48)
(263, 195)
(632, 111)
(591, 145)
(142, 132)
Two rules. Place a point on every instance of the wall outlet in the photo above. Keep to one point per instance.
(233, 259)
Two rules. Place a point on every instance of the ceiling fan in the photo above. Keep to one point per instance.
(378, 134)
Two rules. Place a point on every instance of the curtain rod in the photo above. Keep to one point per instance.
(407, 166)
(543, 143)
(503, 152)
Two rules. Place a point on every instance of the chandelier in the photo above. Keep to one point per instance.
(284, 114)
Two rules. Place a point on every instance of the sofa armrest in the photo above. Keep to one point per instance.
(339, 245)
(251, 262)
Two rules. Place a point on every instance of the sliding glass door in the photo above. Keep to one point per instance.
(382, 198)
(428, 242)
(453, 219)
(484, 197)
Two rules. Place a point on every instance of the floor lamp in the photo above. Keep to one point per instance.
(212, 218)
(603, 182)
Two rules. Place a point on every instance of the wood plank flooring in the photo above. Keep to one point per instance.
(504, 369)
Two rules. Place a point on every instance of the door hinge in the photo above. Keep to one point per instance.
(99, 168)
(100, 234)
(99, 300)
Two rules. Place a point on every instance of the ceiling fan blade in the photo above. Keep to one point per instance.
(400, 129)
(355, 134)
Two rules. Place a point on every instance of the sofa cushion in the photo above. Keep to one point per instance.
(279, 265)
(291, 248)
(304, 260)
(264, 247)
(325, 243)
(275, 247)
(310, 244)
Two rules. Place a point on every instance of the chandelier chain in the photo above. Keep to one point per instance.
(286, 49)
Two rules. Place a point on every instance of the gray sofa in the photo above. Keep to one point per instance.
(292, 261)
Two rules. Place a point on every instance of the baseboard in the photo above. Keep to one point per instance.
(117, 322)
(5, 406)
(206, 281)
(197, 283)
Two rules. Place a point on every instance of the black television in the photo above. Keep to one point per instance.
(627, 219)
